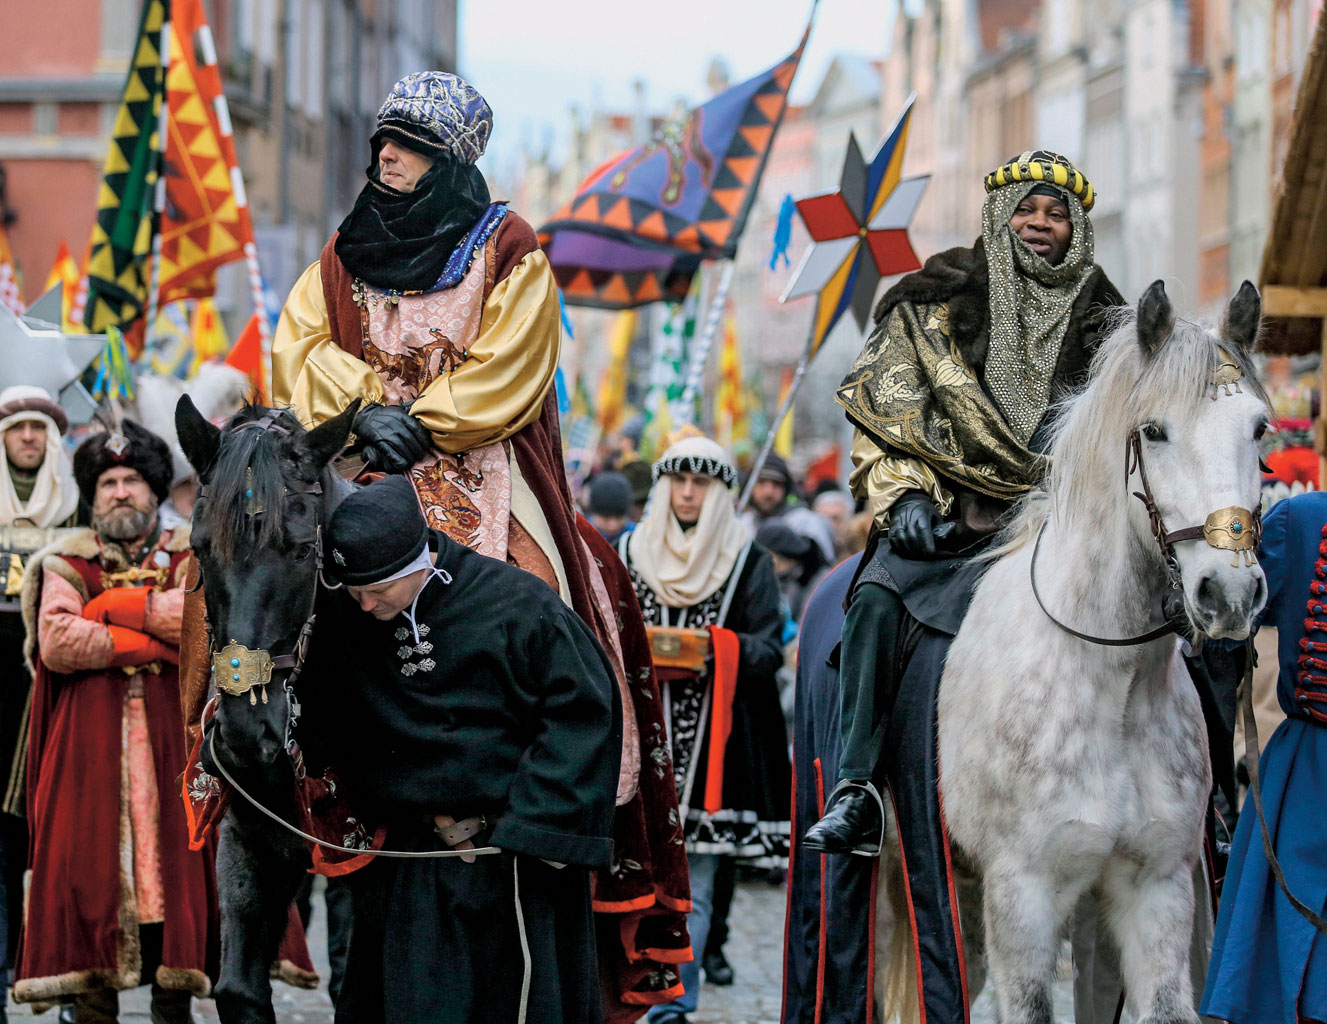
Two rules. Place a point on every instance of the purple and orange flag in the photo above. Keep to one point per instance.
(639, 226)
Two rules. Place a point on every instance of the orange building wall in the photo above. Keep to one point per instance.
(54, 199)
(71, 29)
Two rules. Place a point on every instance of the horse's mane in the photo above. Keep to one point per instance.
(1124, 390)
(225, 513)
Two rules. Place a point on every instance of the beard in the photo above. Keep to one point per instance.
(124, 522)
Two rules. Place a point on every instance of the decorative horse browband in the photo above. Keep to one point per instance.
(238, 670)
(1229, 529)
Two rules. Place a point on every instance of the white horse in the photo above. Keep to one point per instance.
(1072, 769)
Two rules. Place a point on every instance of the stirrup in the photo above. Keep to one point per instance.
(880, 803)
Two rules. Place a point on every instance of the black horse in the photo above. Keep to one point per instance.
(267, 490)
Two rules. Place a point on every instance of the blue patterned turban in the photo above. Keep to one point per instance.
(439, 111)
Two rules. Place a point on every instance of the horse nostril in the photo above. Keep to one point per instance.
(1205, 596)
(1259, 593)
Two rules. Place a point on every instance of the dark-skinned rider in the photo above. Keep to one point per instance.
(972, 351)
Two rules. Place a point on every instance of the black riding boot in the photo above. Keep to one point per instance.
(851, 824)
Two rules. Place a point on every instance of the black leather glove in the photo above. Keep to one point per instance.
(389, 439)
(912, 522)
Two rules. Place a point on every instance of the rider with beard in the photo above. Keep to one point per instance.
(116, 898)
(972, 351)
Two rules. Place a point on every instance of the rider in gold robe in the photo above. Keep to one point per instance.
(952, 398)
(437, 308)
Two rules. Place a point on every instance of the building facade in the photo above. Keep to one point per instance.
(303, 79)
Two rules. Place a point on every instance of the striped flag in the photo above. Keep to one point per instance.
(126, 218)
(64, 272)
(783, 440)
(10, 296)
(209, 335)
(611, 407)
(247, 356)
(731, 420)
(205, 219)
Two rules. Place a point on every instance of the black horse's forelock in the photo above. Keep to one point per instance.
(249, 460)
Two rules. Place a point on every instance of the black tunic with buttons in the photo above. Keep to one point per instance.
(498, 701)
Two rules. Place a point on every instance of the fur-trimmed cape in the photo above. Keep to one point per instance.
(961, 277)
(79, 817)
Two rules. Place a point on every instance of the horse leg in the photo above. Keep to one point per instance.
(1022, 943)
(896, 995)
(968, 887)
(255, 884)
(1151, 915)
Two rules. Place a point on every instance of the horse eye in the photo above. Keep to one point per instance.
(1154, 432)
(1260, 430)
(304, 551)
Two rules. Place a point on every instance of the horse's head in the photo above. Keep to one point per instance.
(1197, 412)
(256, 535)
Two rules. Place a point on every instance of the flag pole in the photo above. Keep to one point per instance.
(208, 54)
(159, 198)
(696, 369)
(773, 431)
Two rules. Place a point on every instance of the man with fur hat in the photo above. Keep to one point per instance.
(976, 348)
(116, 898)
(695, 568)
(437, 308)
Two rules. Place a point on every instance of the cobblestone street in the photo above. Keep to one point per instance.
(755, 950)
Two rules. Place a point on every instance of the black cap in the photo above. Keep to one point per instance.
(610, 495)
(776, 469)
(375, 533)
(783, 540)
(641, 479)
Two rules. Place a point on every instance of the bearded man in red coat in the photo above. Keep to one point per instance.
(116, 898)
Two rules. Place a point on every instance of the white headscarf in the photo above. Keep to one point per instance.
(684, 567)
(55, 494)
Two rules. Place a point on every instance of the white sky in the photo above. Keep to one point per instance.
(533, 59)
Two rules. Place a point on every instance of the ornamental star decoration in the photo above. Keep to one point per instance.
(34, 351)
(859, 234)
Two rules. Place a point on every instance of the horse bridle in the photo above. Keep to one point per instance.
(1230, 529)
(237, 669)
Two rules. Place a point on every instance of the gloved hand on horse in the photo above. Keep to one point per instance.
(389, 439)
(912, 522)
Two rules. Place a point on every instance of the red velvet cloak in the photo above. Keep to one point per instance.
(81, 929)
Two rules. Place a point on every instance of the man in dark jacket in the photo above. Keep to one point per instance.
(471, 710)
(952, 399)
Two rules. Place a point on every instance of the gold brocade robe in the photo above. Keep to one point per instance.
(476, 359)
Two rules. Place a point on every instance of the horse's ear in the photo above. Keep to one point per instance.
(1156, 318)
(199, 439)
(325, 441)
(1239, 326)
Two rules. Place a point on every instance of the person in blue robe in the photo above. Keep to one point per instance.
(1269, 963)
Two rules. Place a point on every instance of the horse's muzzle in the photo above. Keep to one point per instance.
(1224, 606)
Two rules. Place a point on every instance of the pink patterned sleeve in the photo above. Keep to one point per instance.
(69, 642)
(165, 615)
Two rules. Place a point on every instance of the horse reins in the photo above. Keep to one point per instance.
(1232, 529)
(238, 670)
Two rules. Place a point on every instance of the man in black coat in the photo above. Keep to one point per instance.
(471, 710)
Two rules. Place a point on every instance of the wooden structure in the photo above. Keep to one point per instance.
(1293, 277)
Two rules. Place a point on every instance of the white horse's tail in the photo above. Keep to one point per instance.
(897, 1000)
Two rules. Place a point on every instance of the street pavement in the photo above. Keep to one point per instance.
(755, 949)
